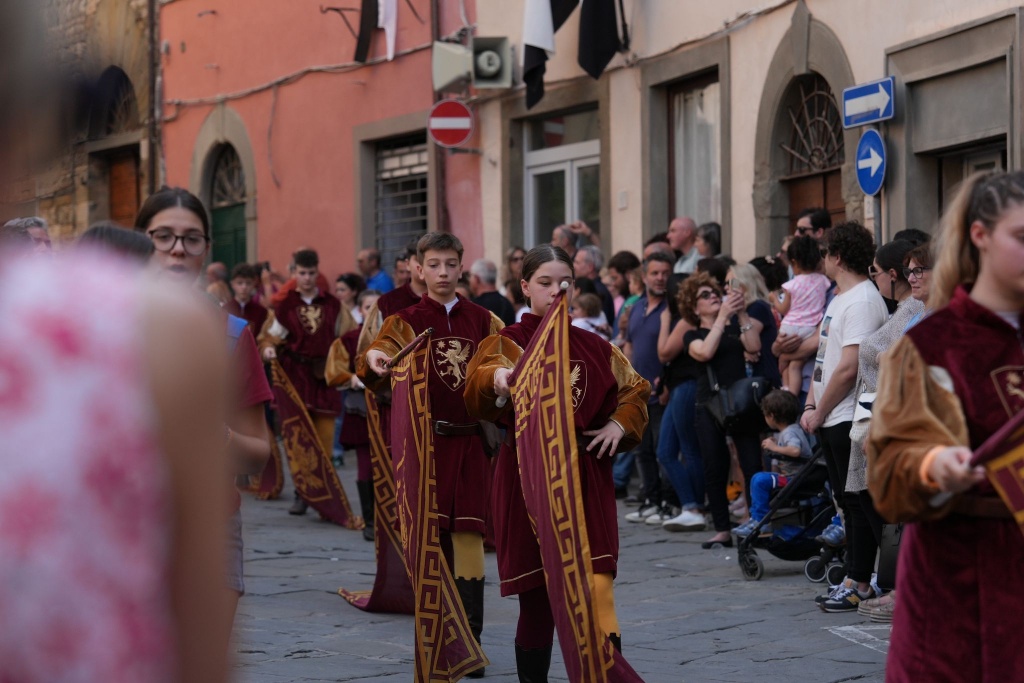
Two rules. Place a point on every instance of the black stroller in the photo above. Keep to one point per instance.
(800, 510)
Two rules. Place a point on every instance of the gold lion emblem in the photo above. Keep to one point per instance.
(451, 357)
(311, 317)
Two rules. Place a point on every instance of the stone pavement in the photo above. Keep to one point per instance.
(686, 613)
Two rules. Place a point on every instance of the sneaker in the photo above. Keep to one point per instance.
(662, 515)
(833, 536)
(833, 591)
(877, 606)
(747, 528)
(688, 520)
(847, 600)
(646, 509)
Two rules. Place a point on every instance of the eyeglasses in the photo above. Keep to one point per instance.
(194, 242)
(916, 272)
(515, 259)
(873, 272)
(803, 231)
(707, 294)
(734, 284)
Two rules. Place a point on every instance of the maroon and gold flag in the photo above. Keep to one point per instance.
(445, 647)
(392, 590)
(268, 484)
(312, 470)
(546, 439)
(1002, 454)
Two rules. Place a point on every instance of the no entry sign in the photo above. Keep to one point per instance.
(450, 123)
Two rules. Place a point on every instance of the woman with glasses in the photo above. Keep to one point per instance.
(887, 273)
(722, 335)
(179, 226)
(944, 389)
(917, 270)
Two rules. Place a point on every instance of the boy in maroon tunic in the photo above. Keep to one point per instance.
(461, 467)
(243, 284)
(303, 326)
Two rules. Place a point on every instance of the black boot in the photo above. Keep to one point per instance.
(298, 506)
(365, 489)
(616, 639)
(533, 664)
(471, 591)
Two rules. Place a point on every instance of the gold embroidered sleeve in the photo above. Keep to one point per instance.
(496, 324)
(394, 334)
(634, 391)
(494, 352)
(265, 338)
(912, 414)
(345, 322)
(337, 370)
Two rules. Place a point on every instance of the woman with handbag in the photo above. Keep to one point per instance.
(724, 334)
(887, 274)
(944, 389)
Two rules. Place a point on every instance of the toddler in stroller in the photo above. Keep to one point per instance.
(790, 505)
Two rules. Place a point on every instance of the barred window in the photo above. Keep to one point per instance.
(400, 196)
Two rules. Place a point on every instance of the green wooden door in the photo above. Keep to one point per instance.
(229, 235)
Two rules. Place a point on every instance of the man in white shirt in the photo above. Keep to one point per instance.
(682, 233)
(851, 317)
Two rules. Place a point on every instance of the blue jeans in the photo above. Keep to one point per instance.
(761, 486)
(622, 470)
(678, 436)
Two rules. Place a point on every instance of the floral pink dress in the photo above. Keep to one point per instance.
(84, 499)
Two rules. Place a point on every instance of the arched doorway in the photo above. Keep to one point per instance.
(814, 148)
(114, 159)
(227, 203)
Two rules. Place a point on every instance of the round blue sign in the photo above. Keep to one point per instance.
(871, 162)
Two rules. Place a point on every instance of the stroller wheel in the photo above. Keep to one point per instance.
(814, 570)
(751, 566)
(835, 573)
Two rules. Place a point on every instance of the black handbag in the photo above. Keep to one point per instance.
(739, 404)
(888, 554)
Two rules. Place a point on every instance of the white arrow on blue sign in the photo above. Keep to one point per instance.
(868, 103)
(871, 162)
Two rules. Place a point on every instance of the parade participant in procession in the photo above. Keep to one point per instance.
(304, 325)
(462, 468)
(948, 385)
(610, 409)
(177, 223)
(341, 369)
(244, 279)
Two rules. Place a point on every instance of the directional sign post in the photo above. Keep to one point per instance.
(871, 162)
(450, 123)
(868, 103)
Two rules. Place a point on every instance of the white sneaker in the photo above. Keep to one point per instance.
(663, 514)
(643, 512)
(688, 520)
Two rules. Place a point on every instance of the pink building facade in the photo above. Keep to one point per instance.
(291, 143)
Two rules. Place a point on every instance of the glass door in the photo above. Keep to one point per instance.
(563, 185)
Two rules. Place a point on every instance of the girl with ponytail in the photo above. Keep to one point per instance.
(943, 390)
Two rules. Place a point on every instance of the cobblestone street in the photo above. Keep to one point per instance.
(686, 613)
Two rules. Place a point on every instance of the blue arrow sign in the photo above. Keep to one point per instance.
(871, 162)
(868, 103)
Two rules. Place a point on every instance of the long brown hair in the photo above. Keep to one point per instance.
(541, 254)
(983, 197)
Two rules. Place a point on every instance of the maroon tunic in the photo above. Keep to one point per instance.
(397, 299)
(958, 611)
(253, 312)
(354, 431)
(304, 352)
(596, 396)
(461, 468)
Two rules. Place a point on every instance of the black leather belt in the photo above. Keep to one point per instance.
(444, 428)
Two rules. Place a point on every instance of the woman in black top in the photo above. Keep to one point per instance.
(724, 334)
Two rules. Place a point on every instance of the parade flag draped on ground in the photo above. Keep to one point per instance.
(445, 648)
(1003, 457)
(268, 484)
(392, 590)
(312, 470)
(546, 440)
